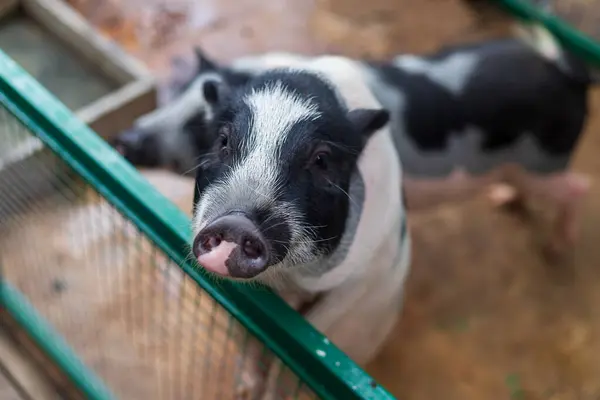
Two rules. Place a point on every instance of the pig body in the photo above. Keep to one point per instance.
(303, 197)
(479, 108)
(504, 111)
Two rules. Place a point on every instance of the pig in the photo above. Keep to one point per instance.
(505, 111)
(174, 135)
(300, 192)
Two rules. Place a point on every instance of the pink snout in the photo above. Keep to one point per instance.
(231, 246)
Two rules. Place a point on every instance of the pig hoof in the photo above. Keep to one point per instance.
(560, 248)
(552, 253)
(501, 195)
(556, 254)
(509, 199)
(562, 242)
(250, 387)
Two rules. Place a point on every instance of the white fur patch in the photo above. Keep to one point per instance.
(274, 112)
(452, 72)
(540, 39)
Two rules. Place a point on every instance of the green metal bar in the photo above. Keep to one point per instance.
(325, 369)
(572, 38)
(52, 344)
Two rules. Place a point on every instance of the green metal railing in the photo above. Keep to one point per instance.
(571, 37)
(26, 106)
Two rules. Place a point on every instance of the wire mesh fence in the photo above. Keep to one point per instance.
(127, 310)
(80, 241)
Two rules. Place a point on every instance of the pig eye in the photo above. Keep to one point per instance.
(223, 141)
(320, 159)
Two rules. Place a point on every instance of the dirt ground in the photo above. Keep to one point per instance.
(131, 315)
(7, 391)
(485, 317)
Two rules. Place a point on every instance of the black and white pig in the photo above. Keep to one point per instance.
(300, 192)
(175, 134)
(509, 110)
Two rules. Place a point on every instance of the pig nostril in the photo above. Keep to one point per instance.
(211, 242)
(252, 249)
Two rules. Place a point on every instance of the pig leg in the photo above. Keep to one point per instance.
(272, 381)
(565, 190)
(507, 197)
(251, 384)
(260, 379)
(568, 213)
(502, 194)
(280, 381)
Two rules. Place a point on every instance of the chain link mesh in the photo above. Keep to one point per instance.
(131, 315)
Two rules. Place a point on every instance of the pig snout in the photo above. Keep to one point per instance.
(138, 147)
(232, 246)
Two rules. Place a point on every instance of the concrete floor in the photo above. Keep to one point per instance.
(485, 316)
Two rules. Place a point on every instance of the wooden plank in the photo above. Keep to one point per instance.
(116, 111)
(22, 372)
(109, 114)
(113, 112)
(74, 30)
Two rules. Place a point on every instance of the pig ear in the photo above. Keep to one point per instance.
(368, 121)
(203, 61)
(214, 90)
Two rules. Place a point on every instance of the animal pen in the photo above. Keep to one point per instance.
(97, 283)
